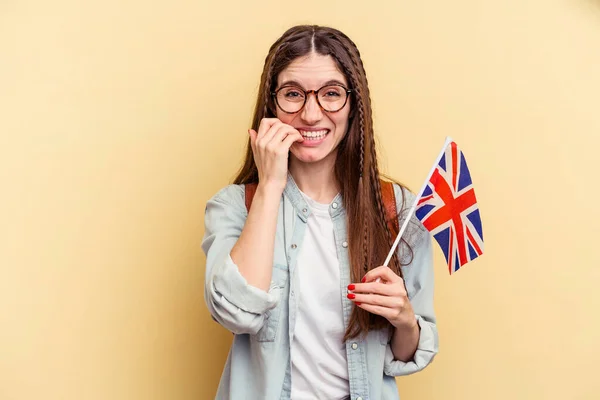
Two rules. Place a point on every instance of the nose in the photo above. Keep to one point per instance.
(311, 113)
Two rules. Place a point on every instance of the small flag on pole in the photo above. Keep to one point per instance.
(447, 207)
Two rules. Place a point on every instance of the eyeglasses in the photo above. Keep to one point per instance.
(331, 98)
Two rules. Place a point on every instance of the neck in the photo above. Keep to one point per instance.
(317, 179)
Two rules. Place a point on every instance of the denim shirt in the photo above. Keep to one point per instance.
(258, 365)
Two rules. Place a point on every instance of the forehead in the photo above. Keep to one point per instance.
(312, 71)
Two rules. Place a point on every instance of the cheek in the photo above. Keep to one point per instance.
(341, 124)
(285, 118)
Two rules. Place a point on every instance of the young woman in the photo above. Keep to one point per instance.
(295, 246)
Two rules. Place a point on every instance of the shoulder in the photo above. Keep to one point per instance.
(232, 195)
(415, 232)
(404, 197)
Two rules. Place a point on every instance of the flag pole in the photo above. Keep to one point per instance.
(414, 205)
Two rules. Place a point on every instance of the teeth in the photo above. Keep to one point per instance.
(314, 134)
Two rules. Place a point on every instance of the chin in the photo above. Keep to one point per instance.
(310, 155)
(307, 158)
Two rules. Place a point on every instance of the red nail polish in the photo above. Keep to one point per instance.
(364, 279)
(358, 304)
(351, 287)
(351, 296)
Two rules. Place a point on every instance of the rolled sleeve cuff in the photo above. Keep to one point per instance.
(230, 286)
(427, 348)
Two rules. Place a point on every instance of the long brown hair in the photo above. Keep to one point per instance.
(356, 171)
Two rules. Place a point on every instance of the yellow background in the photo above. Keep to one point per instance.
(119, 119)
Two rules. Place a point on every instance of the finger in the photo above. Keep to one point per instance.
(291, 139)
(253, 136)
(383, 273)
(285, 137)
(280, 134)
(377, 288)
(396, 303)
(264, 141)
(266, 124)
(385, 312)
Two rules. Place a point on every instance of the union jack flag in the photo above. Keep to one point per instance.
(448, 208)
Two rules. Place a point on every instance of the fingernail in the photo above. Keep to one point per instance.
(351, 296)
(358, 304)
(364, 279)
(351, 287)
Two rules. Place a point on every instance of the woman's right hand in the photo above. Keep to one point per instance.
(271, 146)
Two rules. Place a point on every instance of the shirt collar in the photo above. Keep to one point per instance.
(292, 192)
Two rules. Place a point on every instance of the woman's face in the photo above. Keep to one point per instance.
(322, 130)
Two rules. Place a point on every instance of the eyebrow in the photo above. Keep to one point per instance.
(291, 82)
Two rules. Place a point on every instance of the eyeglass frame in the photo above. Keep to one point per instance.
(316, 93)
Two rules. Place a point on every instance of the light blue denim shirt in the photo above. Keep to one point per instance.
(258, 365)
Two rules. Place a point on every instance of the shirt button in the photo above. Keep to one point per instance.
(359, 398)
(294, 246)
(304, 210)
(345, 244)
(354, 347)
(334, 205)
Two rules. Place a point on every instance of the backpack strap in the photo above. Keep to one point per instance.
(387, 192)
(250, 189)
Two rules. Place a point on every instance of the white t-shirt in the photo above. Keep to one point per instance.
(318, 355)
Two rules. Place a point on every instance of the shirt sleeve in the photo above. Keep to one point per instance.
(419, 280)
(232, 302)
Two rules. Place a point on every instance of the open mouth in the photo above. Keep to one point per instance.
(314, 135)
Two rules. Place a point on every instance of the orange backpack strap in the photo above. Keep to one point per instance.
(387, 192)
(389, 204)
(250, 189)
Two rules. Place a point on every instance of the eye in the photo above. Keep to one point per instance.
(292, 93)
(332, 91)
